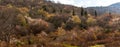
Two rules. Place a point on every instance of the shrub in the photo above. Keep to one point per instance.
(68, 45)
(72, 22)
(70, 25)
(9, 6)
(21, 20)
(60, 31)
(76, 19)
(58, 20)
(91, 20)
(24, 10)
(98, 46)
(44, 13)
(38, 25)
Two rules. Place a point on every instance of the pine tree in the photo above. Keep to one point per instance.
(73, 12)
(95, 13)
(85, 13)
(82, 11)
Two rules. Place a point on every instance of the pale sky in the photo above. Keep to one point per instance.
(87, 3)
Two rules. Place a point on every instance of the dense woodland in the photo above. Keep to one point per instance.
(41, 23)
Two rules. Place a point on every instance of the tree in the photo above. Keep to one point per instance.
(82, 11)
(73, 12)
(85, 13)
(95, 13)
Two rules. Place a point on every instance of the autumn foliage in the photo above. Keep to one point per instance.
(40, 23)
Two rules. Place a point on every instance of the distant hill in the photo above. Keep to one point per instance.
(114, 8)
(117, 5)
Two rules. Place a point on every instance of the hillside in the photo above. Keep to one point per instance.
(41, 23)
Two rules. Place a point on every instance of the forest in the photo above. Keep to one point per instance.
(41, 23)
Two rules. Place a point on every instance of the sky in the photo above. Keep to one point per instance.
(87, 3)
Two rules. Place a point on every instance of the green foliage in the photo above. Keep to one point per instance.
(44, 13)
(49, 8)
(21, 20)
(9, 6)
(57, 20)
(67, 45)
(98, 46)
(19, 43)
(107, 30)
(30, 41)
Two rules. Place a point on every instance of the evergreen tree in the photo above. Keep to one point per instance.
(73, 12)
(82, 11)
(95, 13)
(85, 13)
